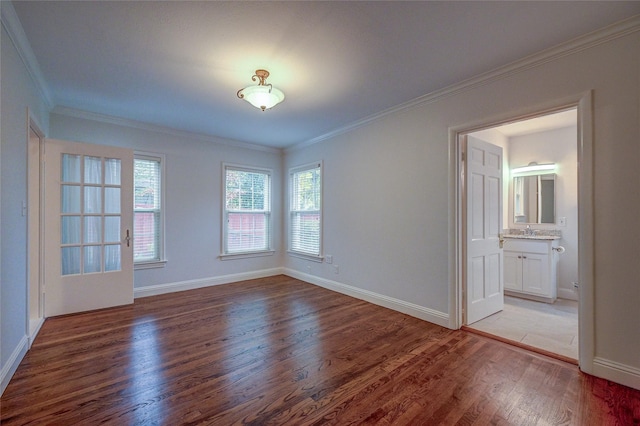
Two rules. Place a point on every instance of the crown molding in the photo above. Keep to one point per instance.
(125, 122)
(12, 25)
(587, 41)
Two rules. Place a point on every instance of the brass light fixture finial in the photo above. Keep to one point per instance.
(262, 76)
(263, 96)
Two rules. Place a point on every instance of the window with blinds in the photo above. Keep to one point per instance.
(305, 221)
(247, 212)
(147, 209)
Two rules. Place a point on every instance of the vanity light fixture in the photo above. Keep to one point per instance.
(263, 96)
(534, 167)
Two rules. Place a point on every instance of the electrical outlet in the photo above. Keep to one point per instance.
(562, 221)
(328, 259)
(336, 269)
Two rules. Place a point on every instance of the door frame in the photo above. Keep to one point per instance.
(583, 102)
(35, 238)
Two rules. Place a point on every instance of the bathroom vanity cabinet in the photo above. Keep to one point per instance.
(530, 267)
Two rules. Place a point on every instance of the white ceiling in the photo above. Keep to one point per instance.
(179, 64)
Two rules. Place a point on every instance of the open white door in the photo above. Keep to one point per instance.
(484, 257)
(88, 223)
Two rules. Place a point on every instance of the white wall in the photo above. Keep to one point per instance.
(388, 221)
(193, 197)
(556, 146)
(385, 206)
(17, 94)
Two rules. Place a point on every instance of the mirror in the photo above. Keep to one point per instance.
(534, 199)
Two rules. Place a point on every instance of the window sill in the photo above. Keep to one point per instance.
(149, 265)
(246, 255)
(305, 256)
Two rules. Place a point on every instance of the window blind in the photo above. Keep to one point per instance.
(305, 210)
(247, 210)
(147, 210)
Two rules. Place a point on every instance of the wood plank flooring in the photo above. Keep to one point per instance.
(280, 351)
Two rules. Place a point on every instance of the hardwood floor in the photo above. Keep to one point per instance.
(281, 351)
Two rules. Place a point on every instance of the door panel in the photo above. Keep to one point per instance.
(484, 257)
(89, 217)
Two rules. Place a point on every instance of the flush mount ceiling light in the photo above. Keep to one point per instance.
(263, 96)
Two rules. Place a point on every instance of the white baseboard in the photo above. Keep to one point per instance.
(13, 362)
(426, 314)
(33, 331)
(153, 290)
(565, 293)
(616, 372)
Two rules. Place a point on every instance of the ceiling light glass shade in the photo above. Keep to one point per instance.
(263, 97)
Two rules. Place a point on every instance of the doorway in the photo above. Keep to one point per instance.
(549, 322)
(35, 296)
(580, 288)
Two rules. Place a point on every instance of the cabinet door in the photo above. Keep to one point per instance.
(535, 274)
(512, 271)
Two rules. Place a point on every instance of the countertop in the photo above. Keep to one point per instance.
(532, 237)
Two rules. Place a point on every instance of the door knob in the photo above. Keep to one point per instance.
(128, 239)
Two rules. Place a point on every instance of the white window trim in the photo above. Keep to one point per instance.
(223, 243)
(294, 253)
(245, 255)
(150, 264)
(306, 256)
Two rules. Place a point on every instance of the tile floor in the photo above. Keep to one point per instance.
(552, 327)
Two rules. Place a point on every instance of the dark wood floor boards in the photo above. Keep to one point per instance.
(244, 373)
(347, 362)
(280, 351)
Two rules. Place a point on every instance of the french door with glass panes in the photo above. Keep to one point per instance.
(89, 218)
